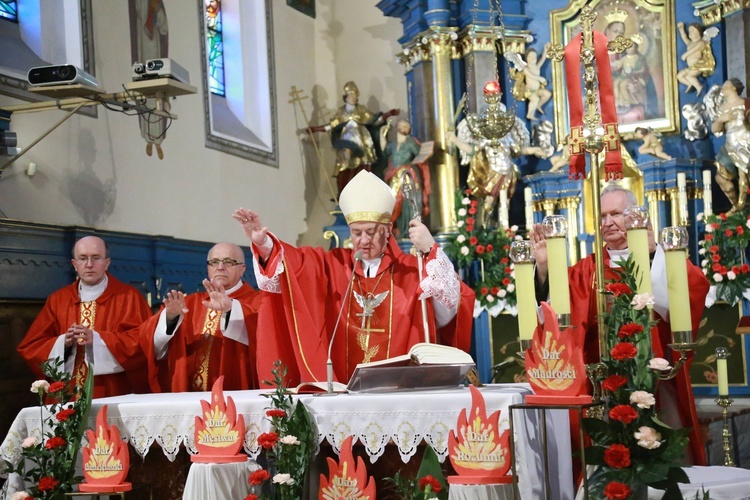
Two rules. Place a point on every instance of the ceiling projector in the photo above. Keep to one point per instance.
(64, 74)
(160, 68)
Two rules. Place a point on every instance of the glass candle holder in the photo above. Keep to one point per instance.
(636, 217)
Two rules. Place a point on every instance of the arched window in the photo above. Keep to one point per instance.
(9, 10)
(215, 47)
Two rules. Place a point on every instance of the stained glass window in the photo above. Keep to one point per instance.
(9, 10)
(215, 47)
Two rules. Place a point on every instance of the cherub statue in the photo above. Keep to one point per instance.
(490, 151)
(697, 120)
(529, 84)
(698, 55)
(562, 159)
(651, 143)
(731, 119)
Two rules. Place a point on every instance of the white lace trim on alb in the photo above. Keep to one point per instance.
(441, 282)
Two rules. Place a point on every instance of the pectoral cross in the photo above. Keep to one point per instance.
(368, 304)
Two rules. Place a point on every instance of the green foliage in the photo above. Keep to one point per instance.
(418, 488)
(48, 465)
(722, 254)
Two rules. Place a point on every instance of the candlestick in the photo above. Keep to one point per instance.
(521, 252)
(726, 434)
(503, 215)
(636, 224)
(528, 199)
(674, 241)
(556, 229)
(707, 196)
(682, 198)
(722, 353)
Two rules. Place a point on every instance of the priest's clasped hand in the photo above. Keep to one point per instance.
(78, 334)
(420, 236)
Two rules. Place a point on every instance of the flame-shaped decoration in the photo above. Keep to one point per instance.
(220, 433)
(554, 363)
(479, 452)
(346, 479)
(106, 459)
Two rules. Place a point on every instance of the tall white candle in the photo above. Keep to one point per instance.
(503, 216)
(528, 198)
(707, 196)
(682, 196)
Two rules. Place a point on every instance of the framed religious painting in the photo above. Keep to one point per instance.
(304, 6)
(643, 75)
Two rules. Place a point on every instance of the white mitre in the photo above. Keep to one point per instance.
(367, 198)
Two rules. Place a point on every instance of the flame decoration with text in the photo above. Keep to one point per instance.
(554, 362)
(477, 447)
(221, 430)
(106, 458)
(346, 479)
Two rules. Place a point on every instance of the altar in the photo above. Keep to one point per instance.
(406, 420)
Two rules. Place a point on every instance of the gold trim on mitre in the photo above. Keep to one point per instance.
(366, 198)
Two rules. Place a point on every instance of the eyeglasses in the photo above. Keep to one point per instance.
(226, 262)
(94, 259)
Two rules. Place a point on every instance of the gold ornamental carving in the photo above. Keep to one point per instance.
(712, 12)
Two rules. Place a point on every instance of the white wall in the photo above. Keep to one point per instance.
(95, 171)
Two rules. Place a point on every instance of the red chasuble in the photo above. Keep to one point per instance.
(119, 310)
(583, 314)
(382, 315)
(199, 353)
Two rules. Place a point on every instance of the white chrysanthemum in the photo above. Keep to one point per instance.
(39, 386)
(462, 212)
(718, 278)
(648, 438)
(702, 251)
(659, 364)
(731, 275)
(709, 228)
(642, 399)
(511, 287)
(502, 293)
(461, 238)
(490, 298)
(289, 439)
(460, 223)
(465, 201)
(464, 250)
(283, 479)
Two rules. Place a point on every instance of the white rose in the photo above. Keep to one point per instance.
(642, 399)
(704, 262)
(39, 386)
(731, 275)
(718, 278)
(659, 364)
(702, 251)
(709, 228)
(648, 438)
(465, 201)
(460, 223)
(502, 293)
(461, 238)
(511, 287)
(642, 300)
(29, 442)
(283, 479)
(490, 298)
(462, 212)
(464, 250)
(289, 439)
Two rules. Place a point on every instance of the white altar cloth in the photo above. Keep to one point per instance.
(404, 419)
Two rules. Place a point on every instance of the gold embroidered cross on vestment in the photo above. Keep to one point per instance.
(368, 301)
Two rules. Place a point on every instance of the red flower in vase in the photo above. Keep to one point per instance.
(259, 476)
(56, 387)
(268, 440)
(623, 413)
(617, 491)
(480, 249)
(276, 413)
(47, 483)
(473, 240)
(623, 350)
(614, 382)
(629, 329)
(64, 415)
(55, 442)
(617, 455)
(618, 289)
(430, 481)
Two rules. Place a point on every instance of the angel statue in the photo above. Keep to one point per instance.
(651, 143)
(729, 114)
(489, 143)
(698, 55)
(529, 84)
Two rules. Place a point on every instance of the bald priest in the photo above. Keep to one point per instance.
(381, 310)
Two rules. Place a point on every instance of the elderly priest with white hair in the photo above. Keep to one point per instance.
(381, 310)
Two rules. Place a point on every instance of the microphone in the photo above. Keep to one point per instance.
(329, 363)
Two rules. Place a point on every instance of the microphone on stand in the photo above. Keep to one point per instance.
(329, 363)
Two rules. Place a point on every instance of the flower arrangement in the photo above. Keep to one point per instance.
(429, 483)
(633, 448)
(288, 447)
(495, 286)
(48, 465)
(722, 254)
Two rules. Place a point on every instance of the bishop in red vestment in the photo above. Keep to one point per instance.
(97, 310)
(677, 391)
(196, 338)
(381, 310)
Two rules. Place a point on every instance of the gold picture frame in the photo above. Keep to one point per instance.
(643, 77)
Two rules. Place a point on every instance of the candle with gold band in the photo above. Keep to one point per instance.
(636, 224)
(522, 254)
(528, 199)
(707, 196)
(721, 370)
(555, 230)
(674, 240)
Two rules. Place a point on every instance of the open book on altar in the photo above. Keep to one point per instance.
(425, 366)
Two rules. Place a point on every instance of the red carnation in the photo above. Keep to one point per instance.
(473, 240)
(728, 232)
(275, 412)
(64, 415)
(723, 216)
(430, 481)
(495, 290)
(268, 440)
(480, 249)
(736, 269)
(485, 290)
(618, 289)
(467, 192)
(716, 257)
(55, 442)
(490, 248)
(614, 382)
(623, 350)
(474, 203)
(629, 329)
(709, 237)
(472, 210)
(508, 270)
(56, 386)
(740, 230)
(469, 227)
(47, 483)
(745, 268)
(470, 220)
(506, 281)
(617, 455)
(723, 270)
(714, 248)
(504, 260)
(616, 491)
(259, 476)
(623, 413)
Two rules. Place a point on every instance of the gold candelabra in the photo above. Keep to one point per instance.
(722, 353)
